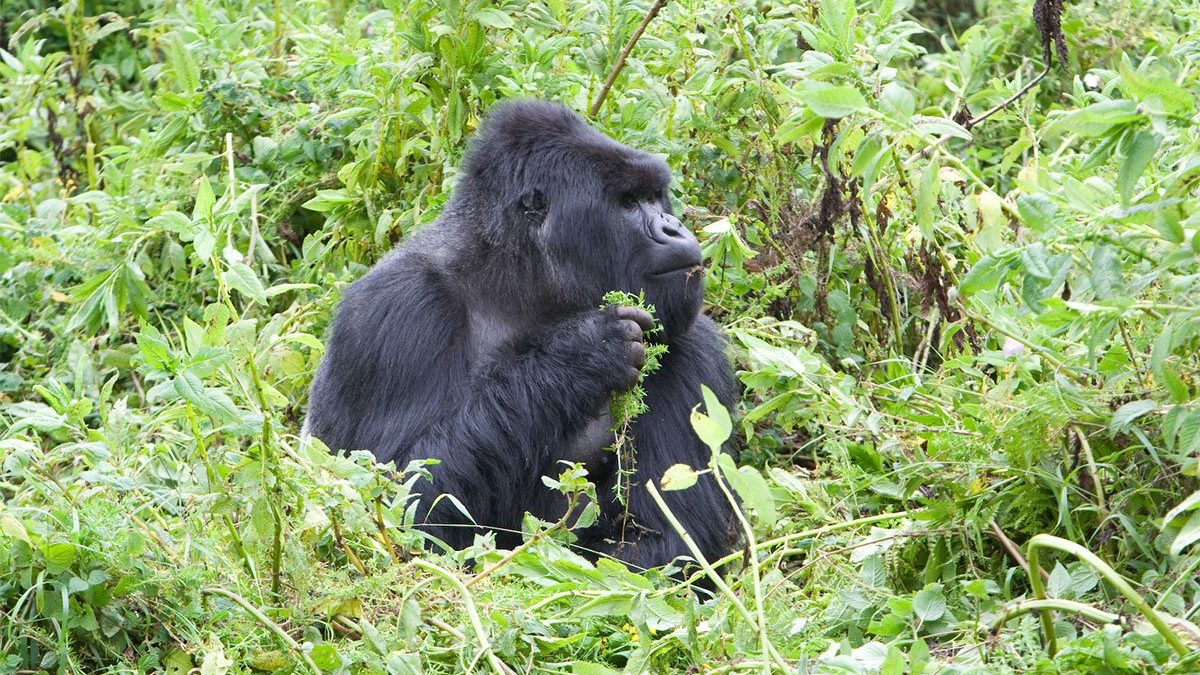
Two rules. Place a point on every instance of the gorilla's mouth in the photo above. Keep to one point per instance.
(689, 267)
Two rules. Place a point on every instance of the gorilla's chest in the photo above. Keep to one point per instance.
(592, 440)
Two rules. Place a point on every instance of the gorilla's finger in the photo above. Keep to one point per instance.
(637, 315)
(633, 375)
(629, 331)
(635, 354)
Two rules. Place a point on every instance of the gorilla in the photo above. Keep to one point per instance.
(480, 343)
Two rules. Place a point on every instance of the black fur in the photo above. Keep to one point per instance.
(478, 342)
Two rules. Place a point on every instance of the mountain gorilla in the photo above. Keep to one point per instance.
(479, 342)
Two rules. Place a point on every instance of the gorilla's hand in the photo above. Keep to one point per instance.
(602, 348)
(621, 331)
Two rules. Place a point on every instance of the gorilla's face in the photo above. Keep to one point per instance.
(663, 257)
(591, 214)
(621, 235)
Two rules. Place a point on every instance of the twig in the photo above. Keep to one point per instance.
(637, 34)
(266, 623)
(472, 614)
(970, 124)
(337, 536)
(1101, 502)
(512, 554)
(1013, 551)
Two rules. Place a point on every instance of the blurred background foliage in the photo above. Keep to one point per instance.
(962, 319)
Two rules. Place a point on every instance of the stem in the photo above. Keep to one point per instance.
(637, 34)
(1013, 551)
(752, 544)
(266, 623)
(711, 571)
(1101, 502)
(1027, 606)
(472, 614)
(1109, 574)
(337, 535)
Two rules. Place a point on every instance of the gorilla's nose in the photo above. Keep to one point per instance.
(668, 227)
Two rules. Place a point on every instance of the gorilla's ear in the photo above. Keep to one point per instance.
(530, 208)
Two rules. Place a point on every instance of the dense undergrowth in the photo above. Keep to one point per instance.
(961, 324)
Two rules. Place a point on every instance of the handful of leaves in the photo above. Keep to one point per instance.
(628, 406)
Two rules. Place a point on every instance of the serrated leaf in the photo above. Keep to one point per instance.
(928, 191)
(929, 604)
(1059, 583)
(245, 281)
(1106, 272)
(1138, 153)
(171, 221)
(212, 402)
(1126, 414)
(1037, 211)
(154, 350)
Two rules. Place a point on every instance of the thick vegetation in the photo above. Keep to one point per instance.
(955, 246)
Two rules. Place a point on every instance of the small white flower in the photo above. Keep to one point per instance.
(1012, 347)
(1092, 81)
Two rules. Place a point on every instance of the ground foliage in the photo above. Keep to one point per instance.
(967, 332)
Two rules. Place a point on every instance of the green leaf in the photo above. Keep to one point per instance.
(984, 274)
(172, 221)
(59, 557)
(1187, 536)
(929, 604)
(752, 488)
(715, 427)
(1098, 119)
(1037, 211)
(1039, 263)
(1138, 153)
(1129, 412)
(1157, 88)
(154, 350)
(212, 402)
(609, 604)
(928, 191)
(245, 281)
(832, 101)
(1106, 272)
(940, 126)
(679, 477)
(493, 18)
(327, 200)
(204, 201)
(326, 657)
(1192, 503)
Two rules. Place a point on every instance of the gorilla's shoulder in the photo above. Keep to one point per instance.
(410, 279)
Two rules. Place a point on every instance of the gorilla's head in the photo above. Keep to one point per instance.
(594, 215)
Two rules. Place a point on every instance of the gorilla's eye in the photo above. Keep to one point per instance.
(630, 199)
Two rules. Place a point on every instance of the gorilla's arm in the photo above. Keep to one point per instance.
(663, 436)
(399, 377)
